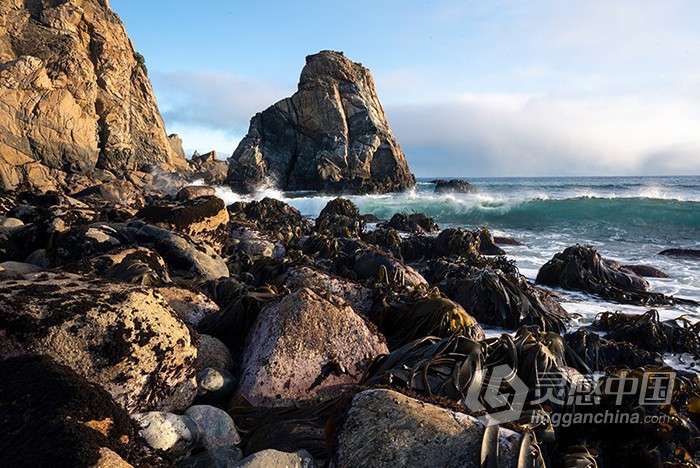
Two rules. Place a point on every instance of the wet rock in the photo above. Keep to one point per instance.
(691, 254)
(272, 217)
(169, 432)
(386, 428)
(121, 192)
(215, 385)
(417, 223)
(204, 219)
(183, 256)
(82, 242)
(453, 186)
(370, 263)
(215, 425)
(358, 296)
(646, 271)
(189, 305)
(212, 352)
(582, 268)
(386, 238)
(122, 337)
(371, 218)
(499, 240)
(224, 457)
(271, 458)
(459, 242)
(54, 417)
(10, 223)
(305, 347)
(254, 244)
(331, 136)
(208, 168)
(192, 192)
(340, 218)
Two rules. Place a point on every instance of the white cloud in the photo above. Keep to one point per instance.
(512, 135)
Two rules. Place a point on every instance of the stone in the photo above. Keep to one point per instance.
(74, 97)
(224, 457)
(255, 244)
(208, 168)
(340, 218)
(192, 192)
(191, 306)
(122, 337)
(215, 385)
(453, 186)
(204, 218)
(52, 416)
(387, 428)
(169, 432)
(358, 296)
(17, 268)
(271, 458)
(184, 256)
(10, 223)
(417, 223)
(690, 254)
(331, 136)
(212, 352)
(305, 347)
(646, 271)
(216, 426)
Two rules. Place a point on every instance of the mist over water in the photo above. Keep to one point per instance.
(629, 219)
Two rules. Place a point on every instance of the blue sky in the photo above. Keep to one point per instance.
(497, 88)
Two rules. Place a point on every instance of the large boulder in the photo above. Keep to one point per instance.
(52, 416)
(305, 347)
(331, 135)
(204, 218)
(387, 428)
(122, 337)
(75, 96)
(208, 168)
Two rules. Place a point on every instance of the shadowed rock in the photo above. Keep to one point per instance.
(331, 135)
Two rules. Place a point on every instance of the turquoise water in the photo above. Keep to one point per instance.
(630, 219)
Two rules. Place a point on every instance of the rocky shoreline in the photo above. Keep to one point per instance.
(143, 322)
(250, 331)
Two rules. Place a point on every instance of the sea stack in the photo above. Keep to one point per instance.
(331, 136)
(75, 96)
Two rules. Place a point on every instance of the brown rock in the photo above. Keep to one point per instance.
(358, 296)
(192, 192)
(74, 96)
(305, 347)
(386, 428)
(122, 337)
(208, 168)
(331, 135)
(189, 305)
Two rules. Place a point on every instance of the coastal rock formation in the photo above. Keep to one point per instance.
(453, 186)
(301, 348)
(331, 135)
(386, 428)
(54, 417)
(122, 337)
(75, 97)
(208, 168)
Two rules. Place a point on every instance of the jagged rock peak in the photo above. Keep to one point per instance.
(75, 96)
(331, 135)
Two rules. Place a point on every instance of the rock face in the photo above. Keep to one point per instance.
(331, 135)
(305, 347)
(54, 417)
(386, 428)
(122, 337)
(74, 96)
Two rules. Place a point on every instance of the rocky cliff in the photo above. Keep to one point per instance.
(331, 135)
(74, 96)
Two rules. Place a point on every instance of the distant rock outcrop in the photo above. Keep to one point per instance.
(331, 135)
(75, 97)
